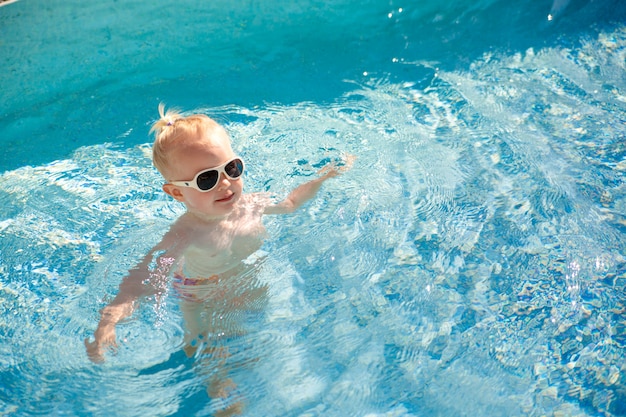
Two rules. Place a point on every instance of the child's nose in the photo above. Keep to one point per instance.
(224, 182)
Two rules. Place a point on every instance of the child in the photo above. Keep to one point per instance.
(206, 246)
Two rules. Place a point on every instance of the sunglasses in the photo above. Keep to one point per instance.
(206, 180)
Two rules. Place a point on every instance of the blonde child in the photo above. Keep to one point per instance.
(205, 248)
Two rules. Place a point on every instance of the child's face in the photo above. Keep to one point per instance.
(197, 153)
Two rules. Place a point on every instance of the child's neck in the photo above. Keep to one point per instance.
(209, 218)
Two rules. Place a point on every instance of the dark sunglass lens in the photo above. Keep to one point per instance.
(234, 169)
(207, 180)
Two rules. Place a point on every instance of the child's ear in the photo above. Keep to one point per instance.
(174, 191)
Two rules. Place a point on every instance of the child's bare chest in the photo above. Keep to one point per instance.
(219, 249)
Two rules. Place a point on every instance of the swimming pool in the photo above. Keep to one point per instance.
(471, 263)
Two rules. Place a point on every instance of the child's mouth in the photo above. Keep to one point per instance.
(226, 199)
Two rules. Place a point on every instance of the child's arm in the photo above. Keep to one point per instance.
(308, 190)
(135, 285)
(122, 306)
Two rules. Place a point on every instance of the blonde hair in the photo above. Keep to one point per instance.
(171, 126)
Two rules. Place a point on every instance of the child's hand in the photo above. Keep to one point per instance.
(105, 340)
(332, 170)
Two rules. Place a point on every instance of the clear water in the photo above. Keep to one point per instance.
(471, 263)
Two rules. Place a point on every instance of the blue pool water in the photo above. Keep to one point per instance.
(471, 263)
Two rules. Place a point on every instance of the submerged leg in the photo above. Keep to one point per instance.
(220, 388)
(194, 334)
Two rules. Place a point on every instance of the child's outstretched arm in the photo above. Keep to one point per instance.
(134, 286)
(121, 307)
(308, 190)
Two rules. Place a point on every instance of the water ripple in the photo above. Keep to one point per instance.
(474, 250)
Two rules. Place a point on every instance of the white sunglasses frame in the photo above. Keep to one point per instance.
(193, 183)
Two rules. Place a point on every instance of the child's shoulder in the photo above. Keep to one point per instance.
(184, 223)
(256, 203)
